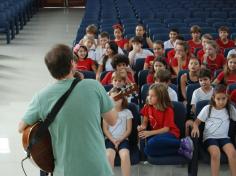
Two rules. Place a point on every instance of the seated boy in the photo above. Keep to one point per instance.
(203, 93)
(172, 35)
(223, 41)
(164, 76)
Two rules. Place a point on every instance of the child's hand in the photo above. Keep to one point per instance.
(189, 123)
(144, 134)
(140, 128)
(117, 143)
(195, 132)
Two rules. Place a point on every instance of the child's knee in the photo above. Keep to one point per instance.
(231, 154)
(215, 155)
(124, 154)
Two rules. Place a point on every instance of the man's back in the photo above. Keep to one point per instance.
(78, 142)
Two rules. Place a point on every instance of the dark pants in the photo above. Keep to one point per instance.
(162, 145)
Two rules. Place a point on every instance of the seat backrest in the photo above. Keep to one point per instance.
(133, 137)
(138, 65)
(142, 77)
(179, 117)
(89, 74)
(143, 94)
(189, 93)
(231, 87)
(108, 87)
(201, 105)
(181, 72)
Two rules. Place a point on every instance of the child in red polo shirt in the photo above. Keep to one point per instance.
(83, 63)
(228, 76)
(223, 41)
(212, 59)
(118, 33)
(158, 49)
(182, 56)
(195, 42)
(162, 138)
(205, 38)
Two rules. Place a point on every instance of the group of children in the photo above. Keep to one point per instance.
(202, 57)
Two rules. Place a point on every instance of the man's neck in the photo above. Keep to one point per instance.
(69, 76)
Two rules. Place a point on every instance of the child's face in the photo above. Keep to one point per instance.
(118, 82)
(196, 35)
(179, 50)
(136, 46)
(121, 66)
(204, 41)
(139, 31)
(88, 43)
(117, 33)
(205, 82)
(158, 66)
(103, 41)
(232, 64)
(220, 100)
(82, 53)
(172, 36)
(108, 50)
(152, 97)
(210, 50)
(158, 50)
(223, 34)
(193, 65)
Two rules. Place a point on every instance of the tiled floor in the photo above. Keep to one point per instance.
(22, 73)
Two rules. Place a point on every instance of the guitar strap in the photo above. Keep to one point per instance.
(51, 116)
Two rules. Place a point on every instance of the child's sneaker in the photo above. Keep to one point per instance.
(186, 147)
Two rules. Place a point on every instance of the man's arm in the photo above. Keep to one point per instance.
(110, 117)
(22, 125)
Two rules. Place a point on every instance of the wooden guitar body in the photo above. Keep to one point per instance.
(41, 152)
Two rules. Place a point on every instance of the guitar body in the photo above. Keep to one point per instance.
(41, 153)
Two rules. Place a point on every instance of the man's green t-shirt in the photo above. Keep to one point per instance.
(77, 138)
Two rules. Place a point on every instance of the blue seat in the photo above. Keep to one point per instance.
(181, 72)
(186, 36)
(177, 159)
(163, 15)
(201, 24)
(231, 87)
(226, 51)
(129, 30)
(184, 30)
(138, 65)
(192, 20)
(189, 93)
(155, 25)
(233, 36)
(172, 20)
(108, 87)
(161, 36)
(219, 24)
(219, 14)
(213, 20)
(142, 76)
(5, 27)
(177, 25)
(133, 137)
(89, 74)
(143, 94)
(182, 14)
(201, 14)
(208, 30)
(232, 14)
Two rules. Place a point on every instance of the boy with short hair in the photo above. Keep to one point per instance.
(223, 41)
(91, 31)
(172, 35)
(205, 91)
(137, 51)
(100, 50)
(164, 76)
(195, 42)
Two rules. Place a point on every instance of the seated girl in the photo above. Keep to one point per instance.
(117, 136)
(120, 64)
(163, 136)
(83, 63)
(158, 64)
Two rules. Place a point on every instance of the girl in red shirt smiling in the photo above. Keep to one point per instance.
(163, 136)
(228, 76)
(83, 63)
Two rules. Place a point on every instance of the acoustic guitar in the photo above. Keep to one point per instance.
(41, 152)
